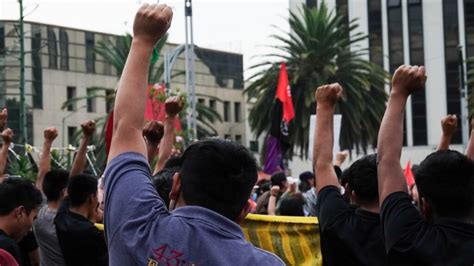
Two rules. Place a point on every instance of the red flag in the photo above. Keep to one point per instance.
(409, 177)
(284, 94)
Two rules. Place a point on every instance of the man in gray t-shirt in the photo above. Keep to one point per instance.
(53, 186)
(45, 231)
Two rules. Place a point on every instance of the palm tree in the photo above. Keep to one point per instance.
(318, 51)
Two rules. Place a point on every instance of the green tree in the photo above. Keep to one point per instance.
(319, 51)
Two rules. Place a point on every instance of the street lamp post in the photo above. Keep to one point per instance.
(23, 130)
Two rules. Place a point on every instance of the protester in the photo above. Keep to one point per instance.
(308, 190)
(348, 235)
(279, 180)
(443, 233)
(292, 205)
(211, 190)
(152, 133)
(80, 241)
(163, 180)
(7, 137)
(19, 202)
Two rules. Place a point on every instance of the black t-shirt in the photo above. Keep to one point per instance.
(9, 245)
(81, 242)
(413, 241)
(27, 244)
(349, 235)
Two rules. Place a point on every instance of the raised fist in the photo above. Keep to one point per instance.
(449, 124)
(408, 79)
(88, 128)
(7, 136)
(328, 94)
(50, 134)
(3, 118)
(173, 106)
(151, 23)
(341, 157)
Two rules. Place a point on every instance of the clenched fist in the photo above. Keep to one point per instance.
(449, 124)
(151, 23)
(173, 106)
(50, 134)
(328, 94)
(408, 79)
(88, 128)
(7, 136)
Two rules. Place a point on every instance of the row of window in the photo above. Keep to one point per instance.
(226, 109)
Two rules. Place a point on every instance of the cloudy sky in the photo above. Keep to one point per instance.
(241, 26)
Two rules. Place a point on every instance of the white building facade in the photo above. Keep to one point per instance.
(416, 32)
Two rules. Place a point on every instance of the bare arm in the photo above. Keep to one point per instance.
(449, 124)
(151, 23)
(3, 119)
(50, 134)
(271, 208)
(390, 175)
(173, 106)
(79, 164)
(470, 144)
(7, 136)
(326, 97)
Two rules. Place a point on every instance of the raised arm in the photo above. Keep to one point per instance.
(50, 134)
(326, 98)
(151, 23)
(79, 164)
(449, 125)
(272, 201)
(173, 106)
(405, 81)
(3, 119)
(7, 136)
(470, 144)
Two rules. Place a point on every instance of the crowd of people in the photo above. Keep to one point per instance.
(187, 210)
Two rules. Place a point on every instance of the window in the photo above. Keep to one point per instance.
(238, 138)
(451, 42)
(237, 112)
(226, 111)
(71, 93)
(212, 104)
(342, 9)
(52, 48)
(254, 145)
(201, 101)
(90, 54)
(37, 70)
(395, 41)
(375, 32)
(91, 101)
(2, 38)
(227, 136)
(109, 100)
(417, 57)
(469, 27)
(63, 49)
(71, 132)
(311, 3)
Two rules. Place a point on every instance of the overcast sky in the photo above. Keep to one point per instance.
(241, 26)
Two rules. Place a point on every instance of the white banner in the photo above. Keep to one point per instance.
(337, 134)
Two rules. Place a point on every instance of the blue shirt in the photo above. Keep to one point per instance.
(140, 230)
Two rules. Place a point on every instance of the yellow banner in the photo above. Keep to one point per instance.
(294, 239)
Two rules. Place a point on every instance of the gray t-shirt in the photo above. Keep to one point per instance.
(45, 231)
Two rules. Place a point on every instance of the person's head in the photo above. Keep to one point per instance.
(306, 181)
(82, 192)
(279, 179)
(19, 202)
(218, 175)
(362, 181)
(152, 133)
(445, 182)
(163, 180)
(292, 205)
(54, 184)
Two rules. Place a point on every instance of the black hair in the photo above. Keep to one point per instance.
(15, 192)
(219, 175)
(278, 179)
(445, 179)
(80, 187)
(304, 178)
(292, 205)
(173, 162)
(163, 181)
(362, 178)
(54, 182)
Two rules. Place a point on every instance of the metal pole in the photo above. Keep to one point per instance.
(192, 74)
(23, 131)
(187, 66)
(463, 93)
